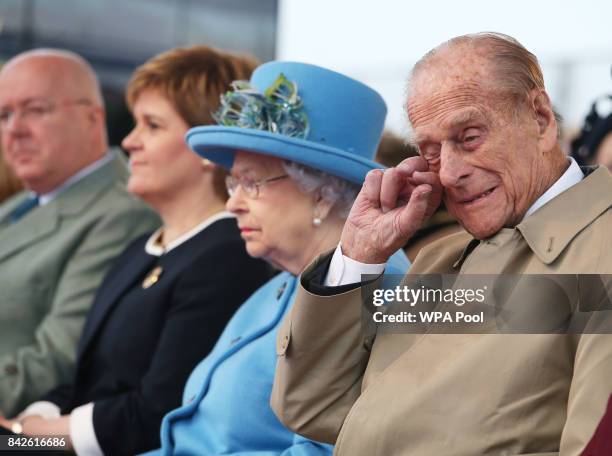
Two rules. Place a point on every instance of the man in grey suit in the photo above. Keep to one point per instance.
(59, 236)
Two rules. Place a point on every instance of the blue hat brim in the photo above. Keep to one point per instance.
(219, 144)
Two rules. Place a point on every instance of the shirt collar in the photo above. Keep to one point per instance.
(153, 247)
(46, 198)
(572, 175)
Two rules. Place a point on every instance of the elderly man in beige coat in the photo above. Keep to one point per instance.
(487, 136)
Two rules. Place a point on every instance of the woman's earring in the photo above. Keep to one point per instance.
(316, 221)
(205, 162)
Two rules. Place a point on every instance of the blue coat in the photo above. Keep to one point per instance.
(133, 358)
(227, 397)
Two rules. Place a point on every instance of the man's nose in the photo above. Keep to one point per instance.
(454, 168)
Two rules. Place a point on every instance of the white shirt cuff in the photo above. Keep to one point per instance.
(82, 431)
(45, 409)
(344, 270)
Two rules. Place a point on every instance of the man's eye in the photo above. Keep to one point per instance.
(471, 135)
(36, 110)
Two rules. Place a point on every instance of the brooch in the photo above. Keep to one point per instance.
(152, 277)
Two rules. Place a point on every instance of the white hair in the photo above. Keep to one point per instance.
(340, 192)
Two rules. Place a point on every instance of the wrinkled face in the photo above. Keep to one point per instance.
(161, 164)
(487, 156)
(45, 126)
(277, 225)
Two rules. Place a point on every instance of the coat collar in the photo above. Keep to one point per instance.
(44, 220)
(466, 251)
(550, 229)
(76, 198)
(260, 314)
(134, 264)
(109, 293)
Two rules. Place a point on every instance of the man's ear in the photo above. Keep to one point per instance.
(96, 115)
(545, 117)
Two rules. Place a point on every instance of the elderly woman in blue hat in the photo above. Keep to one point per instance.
(298, 140)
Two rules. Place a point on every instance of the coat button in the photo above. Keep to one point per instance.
(11, 369)
(284, 342)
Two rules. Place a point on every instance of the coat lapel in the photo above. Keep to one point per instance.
(265, 310)
(80, 195)
(133, 270)
(264, 314)
(44, 220)
(37, 225)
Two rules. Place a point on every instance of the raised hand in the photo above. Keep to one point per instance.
(391, 206)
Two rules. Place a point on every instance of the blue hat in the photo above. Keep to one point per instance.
(298, 112)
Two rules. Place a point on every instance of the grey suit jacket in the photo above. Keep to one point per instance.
(51, 263)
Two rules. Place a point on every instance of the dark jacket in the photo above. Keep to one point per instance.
(140, 344)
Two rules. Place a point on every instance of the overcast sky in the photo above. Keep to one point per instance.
(378, 41)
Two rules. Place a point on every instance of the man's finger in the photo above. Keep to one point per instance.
(412, 165)
(403, 173)
(420, 177)
(371, 187)
(413, 214)
(394, 182)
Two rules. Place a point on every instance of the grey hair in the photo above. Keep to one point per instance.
(341, 193)
(515, 69)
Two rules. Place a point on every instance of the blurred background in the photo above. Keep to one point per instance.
(376, 42)
(116, 36)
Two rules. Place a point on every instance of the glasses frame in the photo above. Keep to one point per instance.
(251, 187)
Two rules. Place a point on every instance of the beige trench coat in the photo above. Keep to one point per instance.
(457, 394)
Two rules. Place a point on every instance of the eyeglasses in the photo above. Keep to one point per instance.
(250, 186)
(36, 110)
